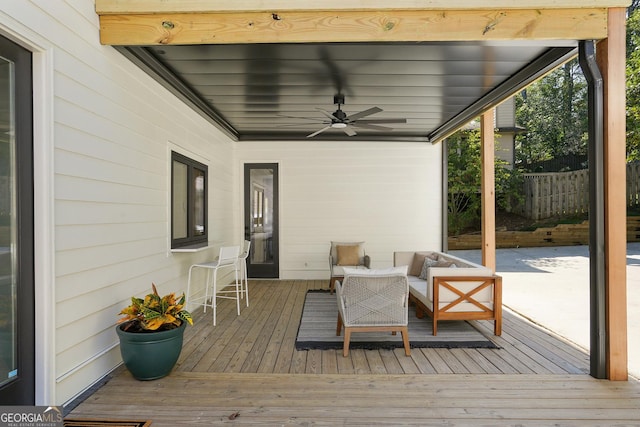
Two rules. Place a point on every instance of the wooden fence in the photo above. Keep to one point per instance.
(633, 184)
(560, 194)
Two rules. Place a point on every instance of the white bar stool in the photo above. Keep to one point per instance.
(228, 258)
(244, 280)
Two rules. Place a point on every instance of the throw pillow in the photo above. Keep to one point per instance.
(428, 263)
(418, 262)
(416, 265)
(347, 255)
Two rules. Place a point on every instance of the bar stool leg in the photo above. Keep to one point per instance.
(213, 297)
(186, 304)
(207, 278)
(246, 281)
(235, 269)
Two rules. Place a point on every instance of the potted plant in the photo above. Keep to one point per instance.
(151, 334)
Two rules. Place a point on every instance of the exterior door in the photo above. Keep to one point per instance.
(261, 219)
(17, 331)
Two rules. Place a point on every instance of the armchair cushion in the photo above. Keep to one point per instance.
(348, 255)
(391, 271)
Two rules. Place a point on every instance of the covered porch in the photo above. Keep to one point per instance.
(248, 371)
(104, 134)
(151, 23)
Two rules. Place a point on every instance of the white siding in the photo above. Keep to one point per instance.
(387, 194)
(504, 148)
(113, 131)
(505, 114)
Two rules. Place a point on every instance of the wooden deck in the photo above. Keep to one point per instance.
(248, 365)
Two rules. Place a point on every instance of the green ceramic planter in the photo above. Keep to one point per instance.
(151, 355)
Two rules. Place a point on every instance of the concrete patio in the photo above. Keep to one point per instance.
(532, 275)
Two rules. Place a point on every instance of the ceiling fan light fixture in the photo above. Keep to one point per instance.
(340, 120)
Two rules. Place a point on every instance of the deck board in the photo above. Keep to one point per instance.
(262, 339)
(333, 399)
(248, 364)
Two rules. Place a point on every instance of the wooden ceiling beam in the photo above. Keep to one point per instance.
(352, 26)
(104, 7)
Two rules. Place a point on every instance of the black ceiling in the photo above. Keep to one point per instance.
(277, 91)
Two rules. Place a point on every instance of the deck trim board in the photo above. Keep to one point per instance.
(373, 399)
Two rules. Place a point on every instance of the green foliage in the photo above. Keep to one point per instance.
(464, 164)
(633, 86)
(554, 113)
(509, 184)
(155, 313)
(463, 181)
(554, 109)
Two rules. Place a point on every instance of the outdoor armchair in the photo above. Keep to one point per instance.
(368, 303)
(346, 254)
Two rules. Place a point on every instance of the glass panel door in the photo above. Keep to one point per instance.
(17, 339)
(8, 288)
(261, 218)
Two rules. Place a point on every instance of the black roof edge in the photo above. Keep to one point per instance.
(330, 137)
(145, 60)
(550, 59)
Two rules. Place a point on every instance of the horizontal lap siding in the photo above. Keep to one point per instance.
(113, 131)
(387, 194)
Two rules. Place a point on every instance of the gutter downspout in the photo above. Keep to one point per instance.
(445, 196)
(598, 326)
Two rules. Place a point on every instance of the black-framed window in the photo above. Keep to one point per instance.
(188, 202)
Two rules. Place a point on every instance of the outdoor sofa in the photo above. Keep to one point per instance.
(450, 288)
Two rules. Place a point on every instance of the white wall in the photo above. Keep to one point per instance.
(104, 132)
(111, 132)
(387, 194)
(504, 144)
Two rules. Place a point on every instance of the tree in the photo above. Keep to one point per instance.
(633, 83)
(463, 204)
(554, 109)
(554, 113)
(464, 174)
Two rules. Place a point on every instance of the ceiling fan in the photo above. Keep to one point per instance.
(340, 120)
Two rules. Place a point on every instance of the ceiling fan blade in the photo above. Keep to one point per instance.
(370, 126)
(318, 131)
(326, 113)
(291, 125)
(373, 121)
(349, 131)
(364, 113)
(301, 118)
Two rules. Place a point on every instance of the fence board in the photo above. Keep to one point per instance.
(558, 194)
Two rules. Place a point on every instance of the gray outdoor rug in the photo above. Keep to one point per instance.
(317, 330)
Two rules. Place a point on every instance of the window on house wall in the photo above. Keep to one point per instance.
(188, 202)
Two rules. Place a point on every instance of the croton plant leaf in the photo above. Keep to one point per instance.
(156, 313)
